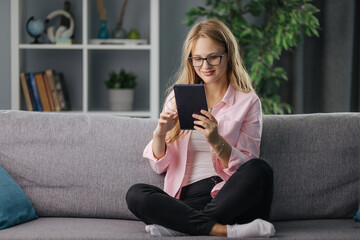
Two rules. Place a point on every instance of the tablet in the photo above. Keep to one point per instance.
(190, 98)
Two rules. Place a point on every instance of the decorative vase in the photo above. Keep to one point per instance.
(103, 32)
(121, 99)
(118, 32)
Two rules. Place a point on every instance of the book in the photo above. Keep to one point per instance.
(42, 92)
(63, 41)
(35, 92)
(26, 91)
(48, 92)
(61, 91)
(27, 77)
(50, 77)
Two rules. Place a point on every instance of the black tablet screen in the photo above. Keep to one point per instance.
(190, 98)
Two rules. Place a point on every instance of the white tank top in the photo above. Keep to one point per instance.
(199, 163)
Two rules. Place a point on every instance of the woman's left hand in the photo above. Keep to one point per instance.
(208, 126)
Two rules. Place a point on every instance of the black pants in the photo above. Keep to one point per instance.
(247, 195)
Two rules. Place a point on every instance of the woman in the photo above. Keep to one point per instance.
(215, 184)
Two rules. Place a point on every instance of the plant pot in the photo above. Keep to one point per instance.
(121, 99)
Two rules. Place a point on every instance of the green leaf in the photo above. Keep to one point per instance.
(284, 44)
(278, 35)
(121, 79)
(310, 8)
(246, 33)
(189, 21)
(307, 31)
(280, 73)
(281, 17)
(269, 60)
(256, 66)
(201, 8)
(315, 32)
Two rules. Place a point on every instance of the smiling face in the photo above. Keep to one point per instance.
(205, 48)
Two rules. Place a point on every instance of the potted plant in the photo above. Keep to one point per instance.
(121, 90)
(280, 25)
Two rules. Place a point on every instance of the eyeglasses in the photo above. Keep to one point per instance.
(212, 60)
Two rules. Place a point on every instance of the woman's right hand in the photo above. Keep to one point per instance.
(167, 121)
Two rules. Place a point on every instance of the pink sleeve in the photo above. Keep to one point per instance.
(248, 143)
(160, 165)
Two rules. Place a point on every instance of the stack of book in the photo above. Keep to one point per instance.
(45, 91)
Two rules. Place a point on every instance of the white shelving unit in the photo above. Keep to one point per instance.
(86, 65)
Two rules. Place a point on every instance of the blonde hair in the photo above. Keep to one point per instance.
(236, 73)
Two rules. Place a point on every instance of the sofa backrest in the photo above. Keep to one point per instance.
(81, 165)
(316, 162)
(76, 165)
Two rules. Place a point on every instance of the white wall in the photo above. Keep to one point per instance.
(172, 35)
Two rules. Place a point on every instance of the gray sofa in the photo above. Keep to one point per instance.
(76, 169)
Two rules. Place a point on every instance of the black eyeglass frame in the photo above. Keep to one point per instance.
(191, 60)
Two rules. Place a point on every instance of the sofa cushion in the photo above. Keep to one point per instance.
(76, 165)
(76, 229)
(327, 229)
(15, 207)
(316, 164)
(85, 228)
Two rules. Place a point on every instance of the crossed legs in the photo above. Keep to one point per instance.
(246, 196)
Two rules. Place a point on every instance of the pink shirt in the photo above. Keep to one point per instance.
(239, 120)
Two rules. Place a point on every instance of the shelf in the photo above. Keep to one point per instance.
(118, 47)
(145, 114)
(51, 46)
(82, 46)
(86, 63)
(141, 114)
